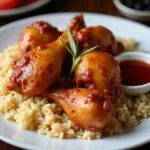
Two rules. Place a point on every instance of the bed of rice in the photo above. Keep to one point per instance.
(37, 113)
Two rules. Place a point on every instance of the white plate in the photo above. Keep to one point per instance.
(10, 132)
(23, 9)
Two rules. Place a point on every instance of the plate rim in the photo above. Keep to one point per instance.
(5, 27)
(73, 13)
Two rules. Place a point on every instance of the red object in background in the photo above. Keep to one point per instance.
(9, 4)
(29, 1)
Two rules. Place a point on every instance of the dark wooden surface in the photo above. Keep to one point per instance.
(97, 6)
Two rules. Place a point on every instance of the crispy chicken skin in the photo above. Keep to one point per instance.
(86, 108)
(39, 68)
(99, 70)
(98, 35)
(38, 33)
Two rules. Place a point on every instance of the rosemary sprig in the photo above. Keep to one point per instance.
(73, 49)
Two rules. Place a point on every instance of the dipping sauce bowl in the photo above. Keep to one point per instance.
(134, 86)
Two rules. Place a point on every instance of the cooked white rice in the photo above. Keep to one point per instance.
(37, 113)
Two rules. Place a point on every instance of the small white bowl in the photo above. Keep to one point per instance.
(132, 13)
(140, 89)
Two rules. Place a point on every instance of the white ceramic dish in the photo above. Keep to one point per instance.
(24, 9)
(132, 13)
(135, 90)
(10, 132)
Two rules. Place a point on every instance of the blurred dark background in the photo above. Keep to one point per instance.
(94, 6)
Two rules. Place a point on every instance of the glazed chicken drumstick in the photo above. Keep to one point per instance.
(91, 107)
(98, 35)
(99, 70)
(38, 33)
(86, 108)
(39, 68)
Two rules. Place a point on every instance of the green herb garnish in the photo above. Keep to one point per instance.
(73, 49)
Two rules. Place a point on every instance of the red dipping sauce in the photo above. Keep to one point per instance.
(134, 72)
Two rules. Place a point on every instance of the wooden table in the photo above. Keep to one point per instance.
(97, 6)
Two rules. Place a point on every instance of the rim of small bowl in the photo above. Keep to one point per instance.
(136, 86)
(126, 9)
